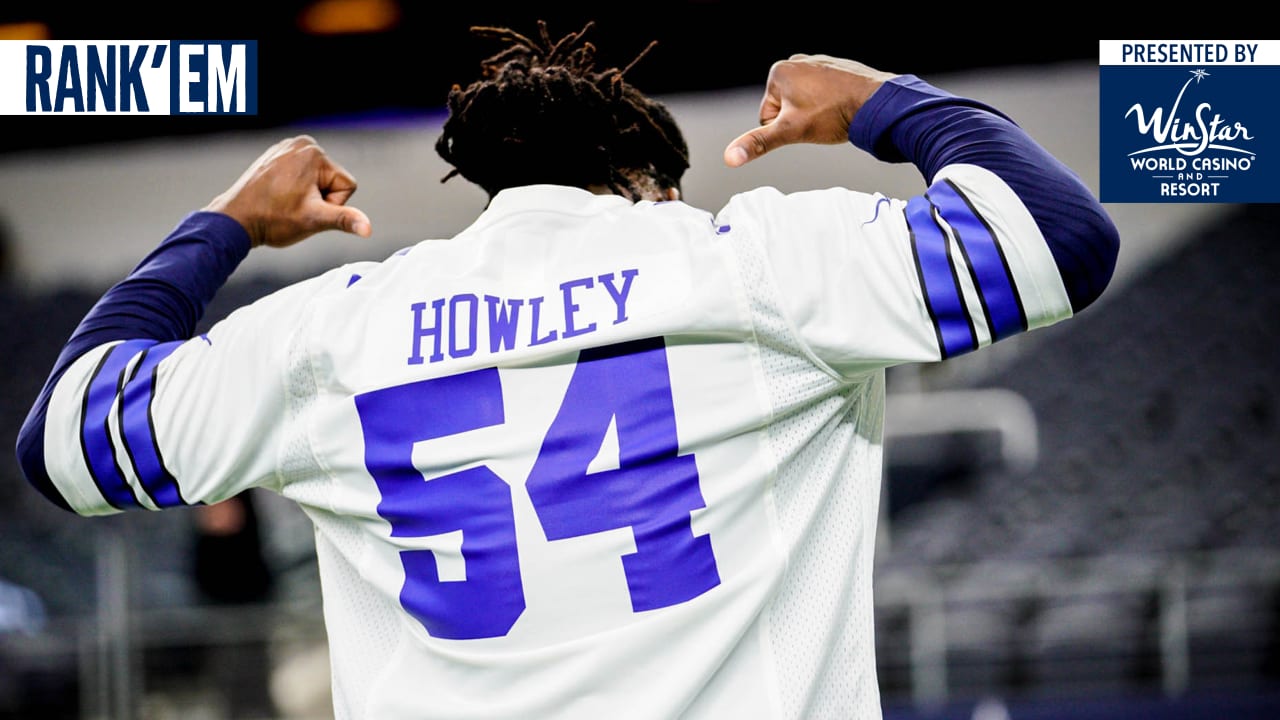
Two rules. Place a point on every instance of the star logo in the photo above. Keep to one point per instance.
(1199, 75)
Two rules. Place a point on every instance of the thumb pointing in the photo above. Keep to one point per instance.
(356, 222)
(736, 155)
(327, 216)
(751, 145)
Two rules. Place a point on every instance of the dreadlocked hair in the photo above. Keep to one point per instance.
(541, 113)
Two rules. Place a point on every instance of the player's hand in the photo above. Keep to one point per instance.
(807, 99)
(291, 192)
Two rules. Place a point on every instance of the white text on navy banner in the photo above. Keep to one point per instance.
(146, 77)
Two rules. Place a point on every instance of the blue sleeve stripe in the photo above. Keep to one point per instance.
(95, 434)
(138, 428)
(988, 266)
(932, 252)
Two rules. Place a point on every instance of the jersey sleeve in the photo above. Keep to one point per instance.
(878, 281)
(140, 412)
(909, 120)
(1005, 238)
(147, 424)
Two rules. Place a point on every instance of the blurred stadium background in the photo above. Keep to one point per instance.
(1081, 523)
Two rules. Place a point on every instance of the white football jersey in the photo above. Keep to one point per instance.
(589, 458)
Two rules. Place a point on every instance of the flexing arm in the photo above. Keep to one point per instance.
(825, 100)
(292, 191)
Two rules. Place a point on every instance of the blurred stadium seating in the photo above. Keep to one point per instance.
(1141, 553)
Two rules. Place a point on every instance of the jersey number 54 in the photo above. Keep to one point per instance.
(652, 491)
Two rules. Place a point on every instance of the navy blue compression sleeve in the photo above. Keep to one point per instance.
(163, 299)
(908, 120)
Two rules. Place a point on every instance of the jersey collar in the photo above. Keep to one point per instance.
(558, 198)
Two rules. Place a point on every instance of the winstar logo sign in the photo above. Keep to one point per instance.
(129, 77)
(1189, 121)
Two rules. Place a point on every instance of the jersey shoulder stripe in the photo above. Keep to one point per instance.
(936, 270)
(137, 427)
(988, 267)
(96, 443)
(984, 272)
(117, 434)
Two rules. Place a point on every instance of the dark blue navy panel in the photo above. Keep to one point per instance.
(213, 77)
(1188, 133)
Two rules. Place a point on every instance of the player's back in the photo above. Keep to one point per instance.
(577, 463)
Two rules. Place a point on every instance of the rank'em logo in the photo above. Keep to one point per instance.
(1189, 121)
(129, 77)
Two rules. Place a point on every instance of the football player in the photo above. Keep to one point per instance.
(603, 453)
